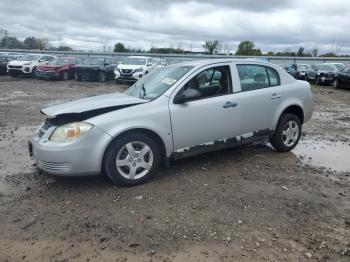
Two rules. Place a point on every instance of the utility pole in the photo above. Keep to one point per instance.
(6, 39)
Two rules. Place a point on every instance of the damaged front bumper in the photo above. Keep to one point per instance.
(81, 157)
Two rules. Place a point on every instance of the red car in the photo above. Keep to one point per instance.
(60, 68)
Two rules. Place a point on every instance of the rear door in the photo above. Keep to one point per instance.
(260, 95)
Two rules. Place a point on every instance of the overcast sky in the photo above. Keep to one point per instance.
(272, 24)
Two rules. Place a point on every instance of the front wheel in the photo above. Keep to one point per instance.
(65, 76)
(336, 83)
(131, 159)
(287, 133)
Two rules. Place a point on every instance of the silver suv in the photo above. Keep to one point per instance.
(173, 112)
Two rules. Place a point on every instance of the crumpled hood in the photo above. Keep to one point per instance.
(326, 71)
(113, 100)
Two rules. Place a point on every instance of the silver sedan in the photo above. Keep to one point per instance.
(174, 112)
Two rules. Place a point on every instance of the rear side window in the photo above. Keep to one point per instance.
(273, 76)
(253, 77)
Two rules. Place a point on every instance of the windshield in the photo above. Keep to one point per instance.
(339, 66)
(29, 58)
(60, 61)
(94, 61)
(156, 83)
(326, 67)
(133, 61)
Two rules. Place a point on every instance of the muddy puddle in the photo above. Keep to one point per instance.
(331, 155)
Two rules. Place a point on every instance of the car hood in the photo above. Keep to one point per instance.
(104, 103)
(133, 67)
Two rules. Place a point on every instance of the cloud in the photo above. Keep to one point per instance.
(273, 25)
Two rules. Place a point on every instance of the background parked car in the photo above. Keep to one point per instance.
(292, 70)
(95, 69)
(325, 73)
(342, 78)
(304, 71)
(60, 68)
(133, 68)
(27, 64)
(3, 64)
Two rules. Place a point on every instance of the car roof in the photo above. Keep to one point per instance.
(204, 62)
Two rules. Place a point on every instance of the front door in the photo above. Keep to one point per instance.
(209, 119)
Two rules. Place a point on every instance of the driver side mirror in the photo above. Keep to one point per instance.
(187, 95)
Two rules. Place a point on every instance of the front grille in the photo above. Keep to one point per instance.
(54, 166)
(126, 71)
(15, 67)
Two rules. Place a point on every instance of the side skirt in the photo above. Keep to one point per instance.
(244, 139)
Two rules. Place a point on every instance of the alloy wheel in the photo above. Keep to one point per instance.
(134, 160)
(290, 133)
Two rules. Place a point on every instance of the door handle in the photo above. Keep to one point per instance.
(229, 104)
(275, 96)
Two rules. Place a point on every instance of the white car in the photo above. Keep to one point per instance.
(27, 64)
(133, 68)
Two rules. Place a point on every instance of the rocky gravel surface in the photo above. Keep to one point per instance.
(243, 204)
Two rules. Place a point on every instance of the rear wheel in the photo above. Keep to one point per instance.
(65, 75)
(287, 133)
(131, 159)
(102, 76)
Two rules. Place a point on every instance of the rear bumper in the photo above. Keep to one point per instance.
(79, 158)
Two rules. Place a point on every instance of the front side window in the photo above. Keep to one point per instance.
(211, 82)
(253, 77)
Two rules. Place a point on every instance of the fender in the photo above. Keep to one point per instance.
(284, 106)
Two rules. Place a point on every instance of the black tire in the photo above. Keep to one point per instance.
(77, 77)
(110, 165)
(102, 76)
(276, 139)
(318, 81)
(336, 84)
(297, 76)
(34, 72)
(64, 76)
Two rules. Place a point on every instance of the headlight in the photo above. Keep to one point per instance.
(28, 63)
(139, 70)
(70, 132)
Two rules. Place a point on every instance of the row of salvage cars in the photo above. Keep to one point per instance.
(88, 68)
(336, 74)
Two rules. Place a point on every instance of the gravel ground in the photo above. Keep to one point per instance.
(243, 204)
